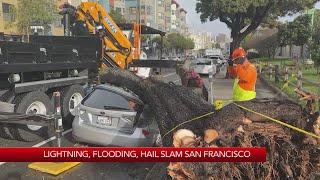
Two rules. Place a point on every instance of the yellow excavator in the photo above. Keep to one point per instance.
(92, 18)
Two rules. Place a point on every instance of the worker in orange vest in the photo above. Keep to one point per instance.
(245, 75)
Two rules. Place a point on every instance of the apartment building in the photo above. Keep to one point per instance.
(147, 12)
(7, 16)
(167, 13)
(174, 15)
(120, 6)
(183, 28)
(202, 40)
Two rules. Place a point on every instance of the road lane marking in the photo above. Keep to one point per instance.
(51, 139)
(170, 74)
(45, 142)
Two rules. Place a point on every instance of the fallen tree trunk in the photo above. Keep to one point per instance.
(290, 153)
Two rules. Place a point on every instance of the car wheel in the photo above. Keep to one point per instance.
(71, 97)
(35, 102)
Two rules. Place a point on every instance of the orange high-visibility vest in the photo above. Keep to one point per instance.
(245, 81)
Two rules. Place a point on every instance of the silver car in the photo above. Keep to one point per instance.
(205, 66)
(112, 116)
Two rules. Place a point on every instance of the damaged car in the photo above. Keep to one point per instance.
(113, 116)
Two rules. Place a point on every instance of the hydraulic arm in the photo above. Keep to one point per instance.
(92, 18)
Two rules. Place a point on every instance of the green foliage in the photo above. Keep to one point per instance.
(268, 46)
(117, 17)
(315, 45)
(244, 16)
(283, 35)
(34, 12)
(175, 41)
(301, 30)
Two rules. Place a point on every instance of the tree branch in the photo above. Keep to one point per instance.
(225, 20)
(259, 17)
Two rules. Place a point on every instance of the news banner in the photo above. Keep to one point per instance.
(127, 154)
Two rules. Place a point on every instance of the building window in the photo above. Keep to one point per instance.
(168, 7)
(168, 19)
(8, 14)
(143, 9)
(133, 10)
(148, 10)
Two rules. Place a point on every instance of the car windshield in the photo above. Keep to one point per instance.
(215, 61)
(103, 99)
(214, 57)
(204, 63)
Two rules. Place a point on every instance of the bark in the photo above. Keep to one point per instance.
(235, 42)
(174, 105)
(301, 53)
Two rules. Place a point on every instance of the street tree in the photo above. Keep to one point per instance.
(315, 44)
(268, 46)
(34, 12)
(283, 36)
(302, 31)
(175, 43)
(244, 16)
(179, 43)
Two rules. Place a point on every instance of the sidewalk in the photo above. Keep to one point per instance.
(223, 88)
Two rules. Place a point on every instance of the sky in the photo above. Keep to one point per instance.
(215, 27)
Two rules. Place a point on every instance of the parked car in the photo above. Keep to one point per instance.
(112, 116)
(205, 65)
(218, 59)
(176, 58)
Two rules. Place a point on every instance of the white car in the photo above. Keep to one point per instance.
(176, 58)
(217, 58)
(205, 66)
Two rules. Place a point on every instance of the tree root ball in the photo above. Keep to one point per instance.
(290, 154)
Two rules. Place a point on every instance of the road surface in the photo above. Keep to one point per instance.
(116, 171)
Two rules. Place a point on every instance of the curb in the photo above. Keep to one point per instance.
(274, 88)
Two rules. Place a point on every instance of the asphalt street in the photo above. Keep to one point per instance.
(97, 171)
(118, 171)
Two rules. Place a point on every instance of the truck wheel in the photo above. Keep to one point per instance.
(35, 102)
(71, 96)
